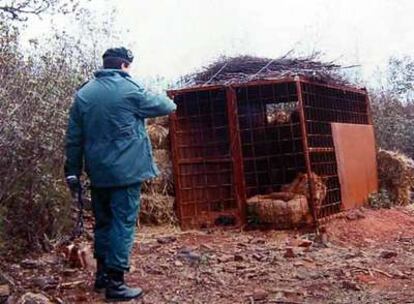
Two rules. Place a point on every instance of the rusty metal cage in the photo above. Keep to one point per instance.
(226, 149)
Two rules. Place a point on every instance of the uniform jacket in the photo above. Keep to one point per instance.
(106, 131)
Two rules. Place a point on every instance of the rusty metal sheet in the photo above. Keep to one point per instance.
(355, 151)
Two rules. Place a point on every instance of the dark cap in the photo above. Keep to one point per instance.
(121, 52)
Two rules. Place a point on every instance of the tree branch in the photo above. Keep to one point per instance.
(20, 11)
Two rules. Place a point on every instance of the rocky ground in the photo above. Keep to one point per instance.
(366, 256)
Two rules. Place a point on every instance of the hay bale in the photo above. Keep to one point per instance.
(158, 136)
(284, 196)
(160, 120)
(163, 184)
(278, 117)
(396, 175)
(157, 209)
(301, 186)
(163, 159)
(285, 213)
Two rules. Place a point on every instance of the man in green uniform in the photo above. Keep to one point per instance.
(106, 136)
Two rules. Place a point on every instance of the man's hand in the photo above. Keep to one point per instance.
(74, 185)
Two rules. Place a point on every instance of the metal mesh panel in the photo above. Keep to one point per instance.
(202, 155)
(322, 106)
(272, 151)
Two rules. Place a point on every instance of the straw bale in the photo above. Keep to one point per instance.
(160, 120)
(162, 184)
(396, 175)
(284, 196)
(162, 158)
(158, 136)
(278, 117)
(157, 209)
(282, 212)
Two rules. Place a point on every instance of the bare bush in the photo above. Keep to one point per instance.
(37, 86)
(36, 92)
(400, 77)
(393, 107)
(394, 123)
(19, 10)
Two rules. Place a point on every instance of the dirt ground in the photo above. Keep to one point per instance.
(366, 256)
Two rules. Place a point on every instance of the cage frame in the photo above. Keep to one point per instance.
(235, 140)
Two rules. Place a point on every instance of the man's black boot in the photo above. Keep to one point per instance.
(101, 277)
(117, 290)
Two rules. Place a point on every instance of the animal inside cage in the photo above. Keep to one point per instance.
(298, 146)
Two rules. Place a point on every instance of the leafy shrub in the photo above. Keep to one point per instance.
(379, 200)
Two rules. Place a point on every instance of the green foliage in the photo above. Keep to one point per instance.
(379, 200)
(252, 216)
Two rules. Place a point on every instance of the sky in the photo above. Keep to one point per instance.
(174, 37)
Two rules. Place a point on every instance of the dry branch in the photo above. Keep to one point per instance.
(246, 68)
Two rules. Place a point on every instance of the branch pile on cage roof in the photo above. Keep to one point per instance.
(240, 69)
(396, 175)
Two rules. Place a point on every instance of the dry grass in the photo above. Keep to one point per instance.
(158, 136)
(278, 117)
(163, 184)
(284, 213)
(157, 209)
(157, 200)
(396, 175)
(161, 120)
